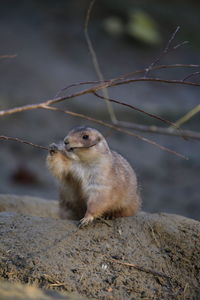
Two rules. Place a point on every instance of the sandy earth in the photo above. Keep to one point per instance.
(162, 250)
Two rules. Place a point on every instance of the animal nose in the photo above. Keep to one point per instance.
(66, 142)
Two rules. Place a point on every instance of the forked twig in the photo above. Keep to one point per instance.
(128, 75)
(166, 50)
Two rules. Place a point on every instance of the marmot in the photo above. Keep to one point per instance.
(94, 180)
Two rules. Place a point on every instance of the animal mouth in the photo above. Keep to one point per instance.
(71, 149)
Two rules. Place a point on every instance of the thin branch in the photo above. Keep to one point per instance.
(156, 273)
(18, 109)
(138, 109)
(180, 45)
(171, 40)
(171, 81)
(155, 68)
(98, 87)
(117, 128)
(191, 75)
(131, 74)
(112, 83)
(188, 116)
(96, 63)
(78, 84)
(187, 134)
(166, 50)
(8, 138)
(104, 84)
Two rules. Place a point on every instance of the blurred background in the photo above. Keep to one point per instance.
(48, 39)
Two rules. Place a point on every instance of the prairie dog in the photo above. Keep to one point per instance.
(94, 180)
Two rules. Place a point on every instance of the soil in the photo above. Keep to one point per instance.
(149, 256)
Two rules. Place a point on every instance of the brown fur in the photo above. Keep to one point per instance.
(94, 181)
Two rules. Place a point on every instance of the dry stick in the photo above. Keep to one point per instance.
(191, 75)
(109, 83)
(171, 39)
(96, 63)
(125, 104)
(127, 125)
(156, 68)
(113, 127)
(78, 84)
(140, 268)
(189, 134)
(188, 116)
(165, 51)
(172, 81)
(160, 130)
(137, 109)
(8, 138)
(98, 87)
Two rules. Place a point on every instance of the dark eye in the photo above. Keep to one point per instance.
(85, 137)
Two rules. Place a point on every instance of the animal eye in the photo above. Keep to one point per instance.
(85, 137)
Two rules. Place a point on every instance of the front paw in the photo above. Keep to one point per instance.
(85, 221)
(53, 148)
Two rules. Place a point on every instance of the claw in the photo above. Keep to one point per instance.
(53, 148)
(85, 221)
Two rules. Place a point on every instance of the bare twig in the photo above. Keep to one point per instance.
(156, 273)
(8, 138)
(109, 83)
(188, 116)
(78, 84)
(96, 64)
(171, 39)
(187, 134)
(166, 50)
(140, 79)
(128, 75)
(156, 68)
(191, 75)
(137, 109)
(117, 128)
(180, 45)
(100, 85)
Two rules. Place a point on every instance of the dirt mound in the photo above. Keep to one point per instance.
(27, 205)
(150, 256)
